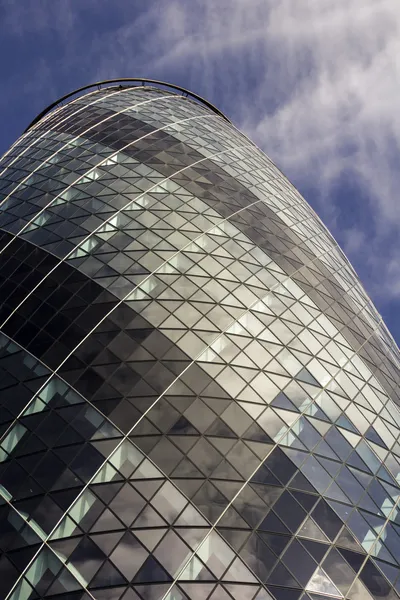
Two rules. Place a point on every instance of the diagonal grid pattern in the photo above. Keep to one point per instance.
(212, 378)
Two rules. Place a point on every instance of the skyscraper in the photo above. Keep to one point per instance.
(198, 399)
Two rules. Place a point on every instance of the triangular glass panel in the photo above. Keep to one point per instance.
(264, 476)
(183, 427)
(282, 401)
(147, 488)
(354, 559)
(281, 576)
(305, 376)
(150, 537)
(224, 445)
(344, 422)
(107, 576)
(220, 594)
(316, 549)
(149, 518)
(348, 541)
(311, 530)
(260, 449)
(239, 572)
(372, 435)
(307, 501)
(151, 571)
(186, 469)
(235, 537)
(256, 434)
(389, 571)
(321, 583)
(268, 493)
(107, 473)
(196, 571)
(220, 428)
(273, 524)
(64, 583)
(362, 477)
(106, 492)
(277, 543)
(107, 522)
(355, 461)
(385, 475)
(107, 541)
(64, 548)
(299, 482)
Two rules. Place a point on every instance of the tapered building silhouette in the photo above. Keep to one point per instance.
(198, 399)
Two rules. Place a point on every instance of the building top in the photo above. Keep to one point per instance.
(123, 81)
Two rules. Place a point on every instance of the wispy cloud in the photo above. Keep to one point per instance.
(38, 16)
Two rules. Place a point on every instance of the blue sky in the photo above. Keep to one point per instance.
(315, 83)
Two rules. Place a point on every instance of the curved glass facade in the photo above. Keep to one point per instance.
(198, 399)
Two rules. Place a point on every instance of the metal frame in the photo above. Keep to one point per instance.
(143, 81)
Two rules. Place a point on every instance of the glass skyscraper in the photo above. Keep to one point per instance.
(198, 399)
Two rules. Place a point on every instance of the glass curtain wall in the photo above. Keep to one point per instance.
(198, 399)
